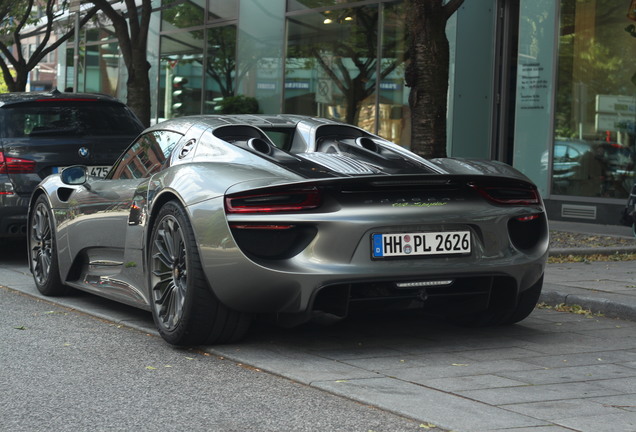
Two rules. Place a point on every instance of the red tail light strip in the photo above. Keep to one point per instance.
(508, 195)
(528, 218)
(272, 227)
(277, 201)
(10, 165)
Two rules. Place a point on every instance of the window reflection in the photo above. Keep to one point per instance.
(293, 5)
(182, 14)
(147, 155)
(181, 74)
(222, 9)
(332, 66)
(220, 66)
(593, 152)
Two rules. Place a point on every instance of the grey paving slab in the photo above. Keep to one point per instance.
(538, 393)
(420, 402)
(508, 353)
(623, 422)
(532, 429)
(569, 374)
(625, 402)
(584, 359)
(566, 343)
(298, 366)
(360, 352)
(554, 410)
(579, 325)
(475, 382)
(379, 364)
(624, 385)
(458, 368)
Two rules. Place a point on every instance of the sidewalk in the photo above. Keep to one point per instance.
(603, 287)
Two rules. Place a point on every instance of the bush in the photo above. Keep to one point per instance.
(239, 105)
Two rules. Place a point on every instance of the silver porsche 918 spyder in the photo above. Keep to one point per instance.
(209, 221)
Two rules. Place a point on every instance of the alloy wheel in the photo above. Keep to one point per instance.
(41, 243)
(169, 272)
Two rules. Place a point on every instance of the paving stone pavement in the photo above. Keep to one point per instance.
(554, 372)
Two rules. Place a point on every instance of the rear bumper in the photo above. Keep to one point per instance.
(13, 215)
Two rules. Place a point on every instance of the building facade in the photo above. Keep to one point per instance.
(547, 86)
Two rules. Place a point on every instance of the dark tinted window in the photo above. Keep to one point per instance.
(68, 118)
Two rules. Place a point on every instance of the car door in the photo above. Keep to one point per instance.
(103, 207)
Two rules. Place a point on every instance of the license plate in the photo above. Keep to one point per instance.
(416, 244)
(96, 171)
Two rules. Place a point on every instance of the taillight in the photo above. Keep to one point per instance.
(528, 218)
(269, 227)
(11, 165)
(275, 201)
(519, 194)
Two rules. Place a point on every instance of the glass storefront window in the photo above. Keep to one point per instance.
(595, 121)
(220, 66)
(294, 5)
(102, 68)
(393, 98)
(181, 74)
(222, 9)
(332, 67)
(182, 14)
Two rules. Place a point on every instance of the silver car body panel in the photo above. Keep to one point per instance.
(103, 226)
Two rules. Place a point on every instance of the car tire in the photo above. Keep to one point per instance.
(42, 244)
(184, 308)
(528, 300)
(502, 314)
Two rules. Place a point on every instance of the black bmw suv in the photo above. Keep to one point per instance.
(42, 133)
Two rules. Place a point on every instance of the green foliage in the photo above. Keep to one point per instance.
(239, 105)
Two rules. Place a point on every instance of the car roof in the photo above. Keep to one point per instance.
(26, 97)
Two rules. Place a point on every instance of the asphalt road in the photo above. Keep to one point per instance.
(64, 371)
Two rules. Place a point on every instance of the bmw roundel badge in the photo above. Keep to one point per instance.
(83, 152)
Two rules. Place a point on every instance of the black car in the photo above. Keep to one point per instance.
(42, 133)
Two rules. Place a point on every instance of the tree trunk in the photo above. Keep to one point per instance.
(138, 88)
(18, 82)
(427, 74)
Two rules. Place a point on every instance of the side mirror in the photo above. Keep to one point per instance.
(74, 175)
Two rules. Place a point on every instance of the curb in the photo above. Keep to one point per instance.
(610, 305)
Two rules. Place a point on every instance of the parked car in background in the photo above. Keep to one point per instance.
(566, 158)
(208, 220)
(572, 173)
(41, 133)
